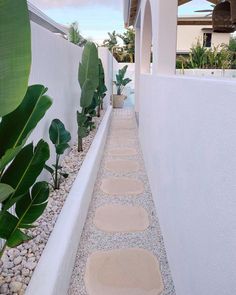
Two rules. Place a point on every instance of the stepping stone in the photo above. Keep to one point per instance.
(121, 218)
(123, 152)
(122, 166)
(123, 272)
(123, 125)
(122, 186)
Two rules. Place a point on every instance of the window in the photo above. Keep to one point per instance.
(207, 39)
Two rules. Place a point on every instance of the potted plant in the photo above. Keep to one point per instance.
(121, 82)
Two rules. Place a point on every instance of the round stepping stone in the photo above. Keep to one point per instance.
(122, 186)
(123, 272)
(121, 218)
(122, 166)
(123, 152)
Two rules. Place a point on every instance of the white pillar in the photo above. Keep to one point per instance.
(137, 66)
(165, 36)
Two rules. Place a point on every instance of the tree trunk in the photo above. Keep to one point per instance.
(80, 144)
(99, 110)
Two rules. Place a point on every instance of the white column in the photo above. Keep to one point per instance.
(164, 36)
(137, 66)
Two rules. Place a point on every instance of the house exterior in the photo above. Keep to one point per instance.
(187, 128)
(194, 28)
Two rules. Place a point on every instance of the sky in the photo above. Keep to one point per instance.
(97, 17)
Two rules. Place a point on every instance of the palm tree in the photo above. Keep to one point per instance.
(129, 43)
(74, 35)
(111, 42)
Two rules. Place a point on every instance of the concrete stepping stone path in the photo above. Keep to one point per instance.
(119, 186)
(123, 272)
(121, 250)
(121, 218)
(119, 166)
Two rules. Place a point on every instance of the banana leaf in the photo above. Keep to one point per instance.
(25, 168)
(21, 122)
(59, 136)
(88, 68)
(15, 53)
(28, 210)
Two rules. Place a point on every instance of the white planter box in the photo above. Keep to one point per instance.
(53, 272)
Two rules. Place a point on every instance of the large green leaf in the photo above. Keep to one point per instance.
(59, 136)
(88, 68)
(21, 122)
(26, 167)
(28, 210)
(15, 53)
(87, 94)
(31, 207)
(5, 191)
(101, 86)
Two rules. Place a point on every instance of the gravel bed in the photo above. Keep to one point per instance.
(94, 239)
(17, 265)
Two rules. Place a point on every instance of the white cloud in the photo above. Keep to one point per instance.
(47, 4)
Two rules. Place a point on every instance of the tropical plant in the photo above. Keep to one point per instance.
(121, 81)
(102, 89)
(15, 48)
(60, 137)
(128, 39)
(19, 166)
(75, 36)
(198, 57)
(88, 80)
(111, 42)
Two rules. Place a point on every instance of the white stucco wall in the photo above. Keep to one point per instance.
(188, 136)
(55, 63)
(187, 128)
(187, 36)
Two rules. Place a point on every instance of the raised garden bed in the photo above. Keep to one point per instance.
(17, 265)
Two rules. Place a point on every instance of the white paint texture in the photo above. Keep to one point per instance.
(188, 137)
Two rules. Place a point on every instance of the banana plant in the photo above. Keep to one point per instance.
(15, 48)
(102, 89)
(88, 80)
(59, 137)
(21, 108)
(121, 81)
(21, 175)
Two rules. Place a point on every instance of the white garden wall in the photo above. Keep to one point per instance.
(55, 63)
(188, 137)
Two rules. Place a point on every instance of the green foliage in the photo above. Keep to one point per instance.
(128, 39)
(121, 81)
(88, 68)
(59, 137)
(74, 35)
(198, 56)
(28, 209)
(125, 52)
(15, 53)
(5, 191)
(21, 109)
(111, 42)
(89, 82)
(28, 114)
(102, 89)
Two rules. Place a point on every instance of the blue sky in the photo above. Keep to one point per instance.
(97, 17)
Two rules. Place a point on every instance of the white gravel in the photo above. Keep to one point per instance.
(17, 265)
(95, 240)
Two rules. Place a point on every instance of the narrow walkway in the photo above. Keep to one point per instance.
(122, 250)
